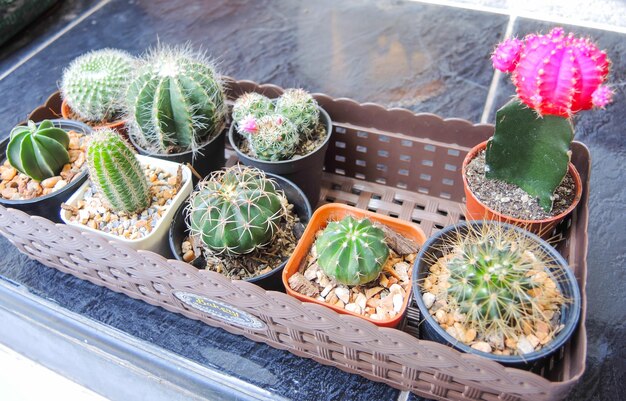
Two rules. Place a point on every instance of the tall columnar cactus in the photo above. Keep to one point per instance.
(116, 173)
(176, 100)
(272, 138)
(298, 106)
(40, 152)
(94, 84)
(556, 76)
(252, 104)
(497, 279)
(236, 211)
(352, 251)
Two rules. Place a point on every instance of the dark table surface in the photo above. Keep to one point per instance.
(423, 57)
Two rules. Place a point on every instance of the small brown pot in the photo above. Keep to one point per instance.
(476, 210)
(119, 125)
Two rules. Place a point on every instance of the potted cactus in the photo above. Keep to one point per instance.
(243, 223)
(93, 88)
(44, 163)
(496, 290)
(522, 175)
(287, 136)
(128, 198)
(355, 262)
(176, 108)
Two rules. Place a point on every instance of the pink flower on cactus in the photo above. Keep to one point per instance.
(506, 55)
(556, 73)
(249, 125)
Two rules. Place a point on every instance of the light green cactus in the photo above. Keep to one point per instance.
(275, 138)
(252, 104)
(298, 106)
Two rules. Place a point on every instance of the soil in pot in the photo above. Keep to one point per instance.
(17, 186)
(380, 299)
(510, 200)
(116, 122)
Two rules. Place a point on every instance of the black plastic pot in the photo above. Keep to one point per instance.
(305, 172)
(271, 280)
(565, 280)
(208, 158)
(48, 206)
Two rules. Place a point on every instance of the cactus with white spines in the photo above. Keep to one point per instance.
(252, 104)
(94, 84)
(275, 138)
(298, 106)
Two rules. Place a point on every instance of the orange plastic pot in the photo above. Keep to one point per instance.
(119, 125)
(476, 210)
(336, 211)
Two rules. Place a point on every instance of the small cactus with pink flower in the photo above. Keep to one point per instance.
(556, 75)
(276, 138)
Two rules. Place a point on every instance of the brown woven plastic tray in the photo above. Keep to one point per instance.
(390, 161)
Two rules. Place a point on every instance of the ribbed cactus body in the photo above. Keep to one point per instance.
(299, 107)
(94, 84)
(352, 251)
(252, 104)
(235, 211)
(116, 173)
(276, 138)
(176, 101)
(40, 152)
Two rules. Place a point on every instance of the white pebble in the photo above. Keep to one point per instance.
(343, 294)
(429, 299)
(398, 301)
(353, 308)
(524, 346)
(482, 346)
(326, 290)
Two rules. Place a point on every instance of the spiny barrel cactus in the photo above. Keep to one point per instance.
(493, 279)
(235, 211)
(40, 152)
(273, 137)
(252, 104)
(352, 251)
(176, 100)
(116, 172)
(94, 84)
(298, 106)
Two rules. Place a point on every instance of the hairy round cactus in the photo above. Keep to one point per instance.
(176, 100)
(235, 211)
(94, 84)
(299, 107)
(498, 280)
(116, 173)
(274, 137)
(40, 152)
(556, 74)
(351, 251)
(252, 104)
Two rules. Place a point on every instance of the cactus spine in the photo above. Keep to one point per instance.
(351, 251)
(276, 138)
(94, 84)
(252, 104)
(116, 173)
(298, 106)
(40, 152)
(235, 211)
(176, 101)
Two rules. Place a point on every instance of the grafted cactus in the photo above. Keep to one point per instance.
(94, 84)
(236, 211)
(274, 138)
(40, 152)
(352, 251)
(176, 101)
(116, 172)
(252, 104)
(298, 106)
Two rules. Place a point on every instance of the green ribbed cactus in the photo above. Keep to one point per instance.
(351, 251)
(176, 101)
(94, 84)
(298, 106)
(40, 152)
(116, 172)
(275, 138)
(252, 104)
(235, 211)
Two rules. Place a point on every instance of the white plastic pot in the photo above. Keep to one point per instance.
(157, 240)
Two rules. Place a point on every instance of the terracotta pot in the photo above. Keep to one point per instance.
(119, 125)
(336, 211)
(476, 210)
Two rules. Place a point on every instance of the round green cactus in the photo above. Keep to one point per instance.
(94, 84)
(236, 211)
(298, 106)
(352, 252)
(274, 138)
(40, 152)
(117, 174)
(176, 101)
(252, 104)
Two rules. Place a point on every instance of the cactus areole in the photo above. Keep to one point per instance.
(556, 76)
(352, 252)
